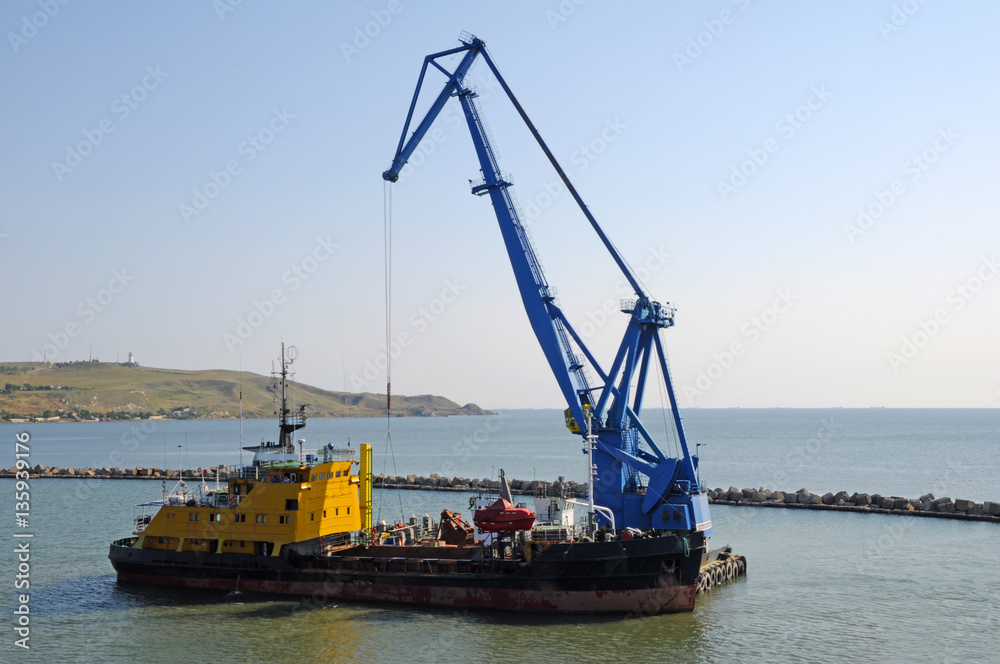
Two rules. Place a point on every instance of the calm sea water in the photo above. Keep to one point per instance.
(821, 587)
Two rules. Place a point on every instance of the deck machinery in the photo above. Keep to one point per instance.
(634, 481)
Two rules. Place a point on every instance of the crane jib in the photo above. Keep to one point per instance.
(671, 497)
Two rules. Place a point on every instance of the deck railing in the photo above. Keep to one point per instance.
(307, 458)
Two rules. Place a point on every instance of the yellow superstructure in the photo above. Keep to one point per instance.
(267, 509)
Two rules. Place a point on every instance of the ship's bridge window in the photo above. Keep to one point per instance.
(314, 477)
(338, 473)
(291, 504)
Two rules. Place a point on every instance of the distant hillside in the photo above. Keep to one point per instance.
(91, 390)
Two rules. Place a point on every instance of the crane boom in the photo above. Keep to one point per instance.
(671, 497)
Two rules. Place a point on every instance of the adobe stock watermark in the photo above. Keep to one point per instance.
(972, 628)
(364, 34)
(470, 445)
(900, 16)
(223, 7)
(751, 331)
(807, 454)
(249, 149)
(927, 328)
(86, 490)
(597, 318)
(418, 322)
(704, 39)
(263, 309)
(583, 157)
(893, 535)
(804, 456)
(22, 539)
(562, 12)
(786, 127)
(30, 25)
(589, 152)
(914, 168)
(87, 312)
(121, 107)
(995, 397)
(437, 136)
(484, 86)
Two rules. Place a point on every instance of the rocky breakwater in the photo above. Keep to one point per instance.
(138, 473)
(927, 505)
(435, 482)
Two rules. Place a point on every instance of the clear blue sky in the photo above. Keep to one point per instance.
(115, 115)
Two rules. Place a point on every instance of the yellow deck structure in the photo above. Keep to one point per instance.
(306, 505)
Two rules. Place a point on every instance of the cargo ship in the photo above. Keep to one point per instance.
(299, 522)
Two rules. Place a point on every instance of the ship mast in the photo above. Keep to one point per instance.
(287, 422)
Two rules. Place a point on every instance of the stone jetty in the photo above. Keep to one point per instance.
(435, 482)
(138, 473)
(926, 505)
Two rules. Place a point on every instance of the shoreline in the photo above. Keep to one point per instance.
(37, 419)
(156, 418)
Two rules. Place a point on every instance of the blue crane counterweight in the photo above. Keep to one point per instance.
(671, 498)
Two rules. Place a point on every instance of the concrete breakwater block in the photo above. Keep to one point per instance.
(561, 486)
(117, 473)
(926, 505)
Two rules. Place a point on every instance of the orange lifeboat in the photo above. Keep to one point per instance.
(503, 517)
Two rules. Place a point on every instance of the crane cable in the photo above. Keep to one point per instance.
(660, 384)
(387, 231)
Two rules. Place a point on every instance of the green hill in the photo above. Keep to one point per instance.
(90, 390)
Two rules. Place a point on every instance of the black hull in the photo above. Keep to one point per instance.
(643, 576)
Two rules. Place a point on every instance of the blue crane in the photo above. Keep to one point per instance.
(624, 451)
